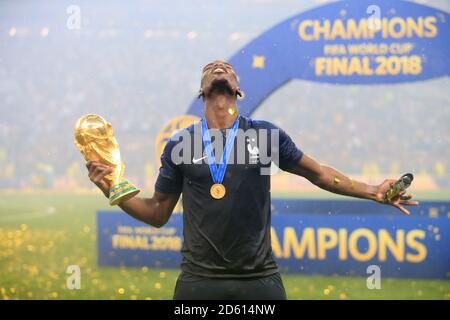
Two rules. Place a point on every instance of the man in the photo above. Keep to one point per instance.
(227, 247)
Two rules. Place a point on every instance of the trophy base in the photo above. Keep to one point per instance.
(122, 192)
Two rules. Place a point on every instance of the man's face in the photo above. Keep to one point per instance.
(219, 76)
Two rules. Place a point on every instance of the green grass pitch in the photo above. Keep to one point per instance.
(41, 233)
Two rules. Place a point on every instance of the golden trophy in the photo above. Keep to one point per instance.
(95, 138)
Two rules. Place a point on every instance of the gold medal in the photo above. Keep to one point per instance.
(217, 191)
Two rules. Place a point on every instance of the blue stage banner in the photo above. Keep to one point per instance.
(361, 42)
(352, 42)
(308, 237)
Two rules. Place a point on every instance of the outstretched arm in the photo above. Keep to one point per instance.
(334, 181)
(154, 211)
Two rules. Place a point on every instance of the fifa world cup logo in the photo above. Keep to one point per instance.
(95, 139)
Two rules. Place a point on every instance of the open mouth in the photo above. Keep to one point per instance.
(219, 70)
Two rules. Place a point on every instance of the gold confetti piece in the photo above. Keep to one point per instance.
(336, 180)
(258, 62)
(144, 269)
(158, 285)
(342, 296)
(231, 111)
(326, 291)
(121, 291)
(433, 212)
(162, 275)
(33, 270)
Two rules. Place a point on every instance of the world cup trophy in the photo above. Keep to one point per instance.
(95, 139)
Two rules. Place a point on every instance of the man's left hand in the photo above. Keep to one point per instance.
(399, 201)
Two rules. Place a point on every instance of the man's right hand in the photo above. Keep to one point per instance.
(97, 173)
(154, 211)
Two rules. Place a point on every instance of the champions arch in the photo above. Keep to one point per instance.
(345, 42)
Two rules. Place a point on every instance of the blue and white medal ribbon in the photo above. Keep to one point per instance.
(218, 171)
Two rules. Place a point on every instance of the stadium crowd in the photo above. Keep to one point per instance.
(139, 78)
